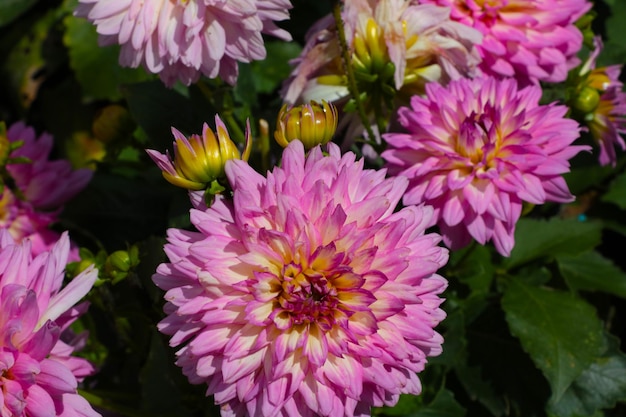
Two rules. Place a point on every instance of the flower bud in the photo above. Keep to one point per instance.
(113, 124)
(587, 100)
(199, 160)
(119, 260)
(313, 124)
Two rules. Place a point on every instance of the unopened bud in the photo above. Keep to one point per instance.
(313, 124)
(199, 160)
(587, 100)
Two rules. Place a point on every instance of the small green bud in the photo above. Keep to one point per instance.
(118, 261)
(587, 100)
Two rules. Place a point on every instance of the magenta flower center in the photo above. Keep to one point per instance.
(478, 140)
(307, 296)
(318, 289)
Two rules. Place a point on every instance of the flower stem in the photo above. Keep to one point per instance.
(224, 104)
(347, 62)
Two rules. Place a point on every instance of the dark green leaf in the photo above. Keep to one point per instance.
(22, 67)
(157, 108)
(406, 405)
(473, 266)
(96, 67)
(617, 192)
(479, 389)
(444, 405)
(599, 386)
(274, 69)
(535, 239)
(586, 173)
(12, 9)
(615, 49)
(591, 271)
(161, 393)
(560, 331)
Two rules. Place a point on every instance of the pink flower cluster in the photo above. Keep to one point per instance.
(183, 39)
(307, 294)
(476, 150)
(38, 374)
(41, 188)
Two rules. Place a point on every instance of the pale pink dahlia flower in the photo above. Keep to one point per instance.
(476, 150)
(182, 39)
(529, 40)
(307, 294)
(38, 375)
(419, 43)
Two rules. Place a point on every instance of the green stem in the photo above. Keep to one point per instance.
(226, 110)
(347, 62)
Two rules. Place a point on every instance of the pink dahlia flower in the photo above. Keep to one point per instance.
(476, 150)
(607, 120)
(38, 375)
(45, 184)
(398, 43)
(529, 40)
(41, 188)
(182, 39)
(307, 294)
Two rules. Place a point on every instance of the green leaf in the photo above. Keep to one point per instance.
(479, 389)
(406, 405)
(274, 69)
(586, 173)
(12, 9)
(536, 239)
(592, 272)
(614, 49)
(455, 352)
(444, 405)
(559, 331)
(97, 68)
(156, 109)
(473, 266)
(599, 386)
(617, 192)
(22, 62)
(161, 393)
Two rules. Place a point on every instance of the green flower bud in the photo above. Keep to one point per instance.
(313, 124)
(587, 100)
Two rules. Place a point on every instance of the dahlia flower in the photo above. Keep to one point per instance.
(306, 294)
(45, 184)
(38, 375)
(601, 100)
(40, 188)
(396, 45)
(476, 150)
(182, 39)
(529, 40)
